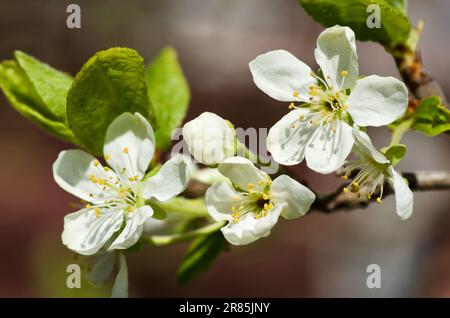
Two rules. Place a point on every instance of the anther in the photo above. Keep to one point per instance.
(96, 163)
(291, 106)
(296, 93)
(107, 157)
(344, 73)
(379, 200)
(125, 150)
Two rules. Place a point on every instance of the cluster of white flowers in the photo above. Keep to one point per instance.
(328, 114)
(318, 128)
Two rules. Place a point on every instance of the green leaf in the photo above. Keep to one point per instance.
(50, 84)
(395, 25)
(169, 94)
(200, 256)
(109, 84)
(399, 4)
(395, 153)
(431, 118)
(22, 96)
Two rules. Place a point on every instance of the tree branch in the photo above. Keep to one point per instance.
(338, 200)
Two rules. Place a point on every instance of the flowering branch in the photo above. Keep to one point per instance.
(418, 181)
(338, 200)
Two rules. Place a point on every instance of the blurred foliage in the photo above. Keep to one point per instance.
(169, 94)
(48, 264)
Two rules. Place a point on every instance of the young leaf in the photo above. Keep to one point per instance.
(51, 85)
(23, 97)
(395, 153)
(431, 118)
(395, 25)
(169, 94)
(200, 256)
(109, 84)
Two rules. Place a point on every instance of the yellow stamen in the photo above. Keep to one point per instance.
(344, 73)
(96, 163)
(250, 187)
(93, 178)
(291, 106)
(125, 150)
(88, 206)
(97, 212)
(296, 93)
(379, 200)
(107, 157)
(345, 190)
(344, 177)
(265, 196)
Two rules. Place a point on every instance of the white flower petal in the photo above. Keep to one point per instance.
(404, 198)
(129, 144)
(133, 228)
(219, 200)
(328, 149)
(120, 287)
(295, 197)
(377, 101)
(364, 144)
(210, 138)
(336, 52)
(279, 74)
(170, 180)
(71, 172)
(288, 138)
(249, 229)
(242, 172)
(85, 233)
(101, 269)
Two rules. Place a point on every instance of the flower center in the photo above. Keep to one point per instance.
(369, 178)
(119, 190)
(325, 103)
(257, 203)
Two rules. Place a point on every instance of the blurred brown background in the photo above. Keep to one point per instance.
(318, 255)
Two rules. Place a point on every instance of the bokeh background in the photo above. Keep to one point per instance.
(318, 255)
